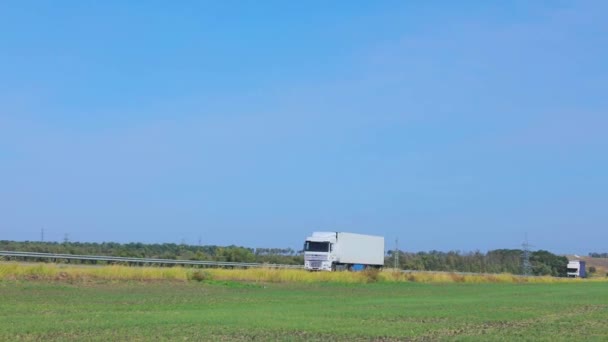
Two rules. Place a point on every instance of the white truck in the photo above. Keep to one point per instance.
(331, 251)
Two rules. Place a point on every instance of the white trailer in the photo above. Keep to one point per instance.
(330, 251)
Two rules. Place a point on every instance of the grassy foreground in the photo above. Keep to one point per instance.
(228, 310)
(62, 302)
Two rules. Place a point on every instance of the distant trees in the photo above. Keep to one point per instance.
(160, 251)
(547, 263)
(494, 261)
(598, 255)
(235, 254)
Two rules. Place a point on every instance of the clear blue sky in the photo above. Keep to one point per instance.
(454, 125)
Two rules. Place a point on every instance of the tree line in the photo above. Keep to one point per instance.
(598, 255)
(494, 261)
(160, 251)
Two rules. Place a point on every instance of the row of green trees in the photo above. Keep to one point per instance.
(598, 255)
(160, 251)
(495, 261)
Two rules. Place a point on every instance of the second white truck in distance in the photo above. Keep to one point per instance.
(331, 251)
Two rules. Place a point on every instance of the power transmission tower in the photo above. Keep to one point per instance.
(526, 266)
(42, 235)
(396, 254)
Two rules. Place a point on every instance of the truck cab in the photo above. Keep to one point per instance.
(318, 251)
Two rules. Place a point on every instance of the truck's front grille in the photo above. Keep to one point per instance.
(321, 257)
(315, 264)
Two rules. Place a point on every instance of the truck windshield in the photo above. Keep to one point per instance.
(313, 246)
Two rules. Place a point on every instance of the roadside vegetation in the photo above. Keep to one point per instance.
(494, 261)
(159, 251)
(83, 273)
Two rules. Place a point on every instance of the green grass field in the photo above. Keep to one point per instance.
(229, 310)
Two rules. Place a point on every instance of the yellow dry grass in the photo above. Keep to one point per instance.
(43, 271)
(13, 271)
(285, 275)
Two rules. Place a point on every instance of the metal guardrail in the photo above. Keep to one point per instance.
(145, 260)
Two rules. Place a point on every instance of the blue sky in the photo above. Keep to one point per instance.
(450, 125)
